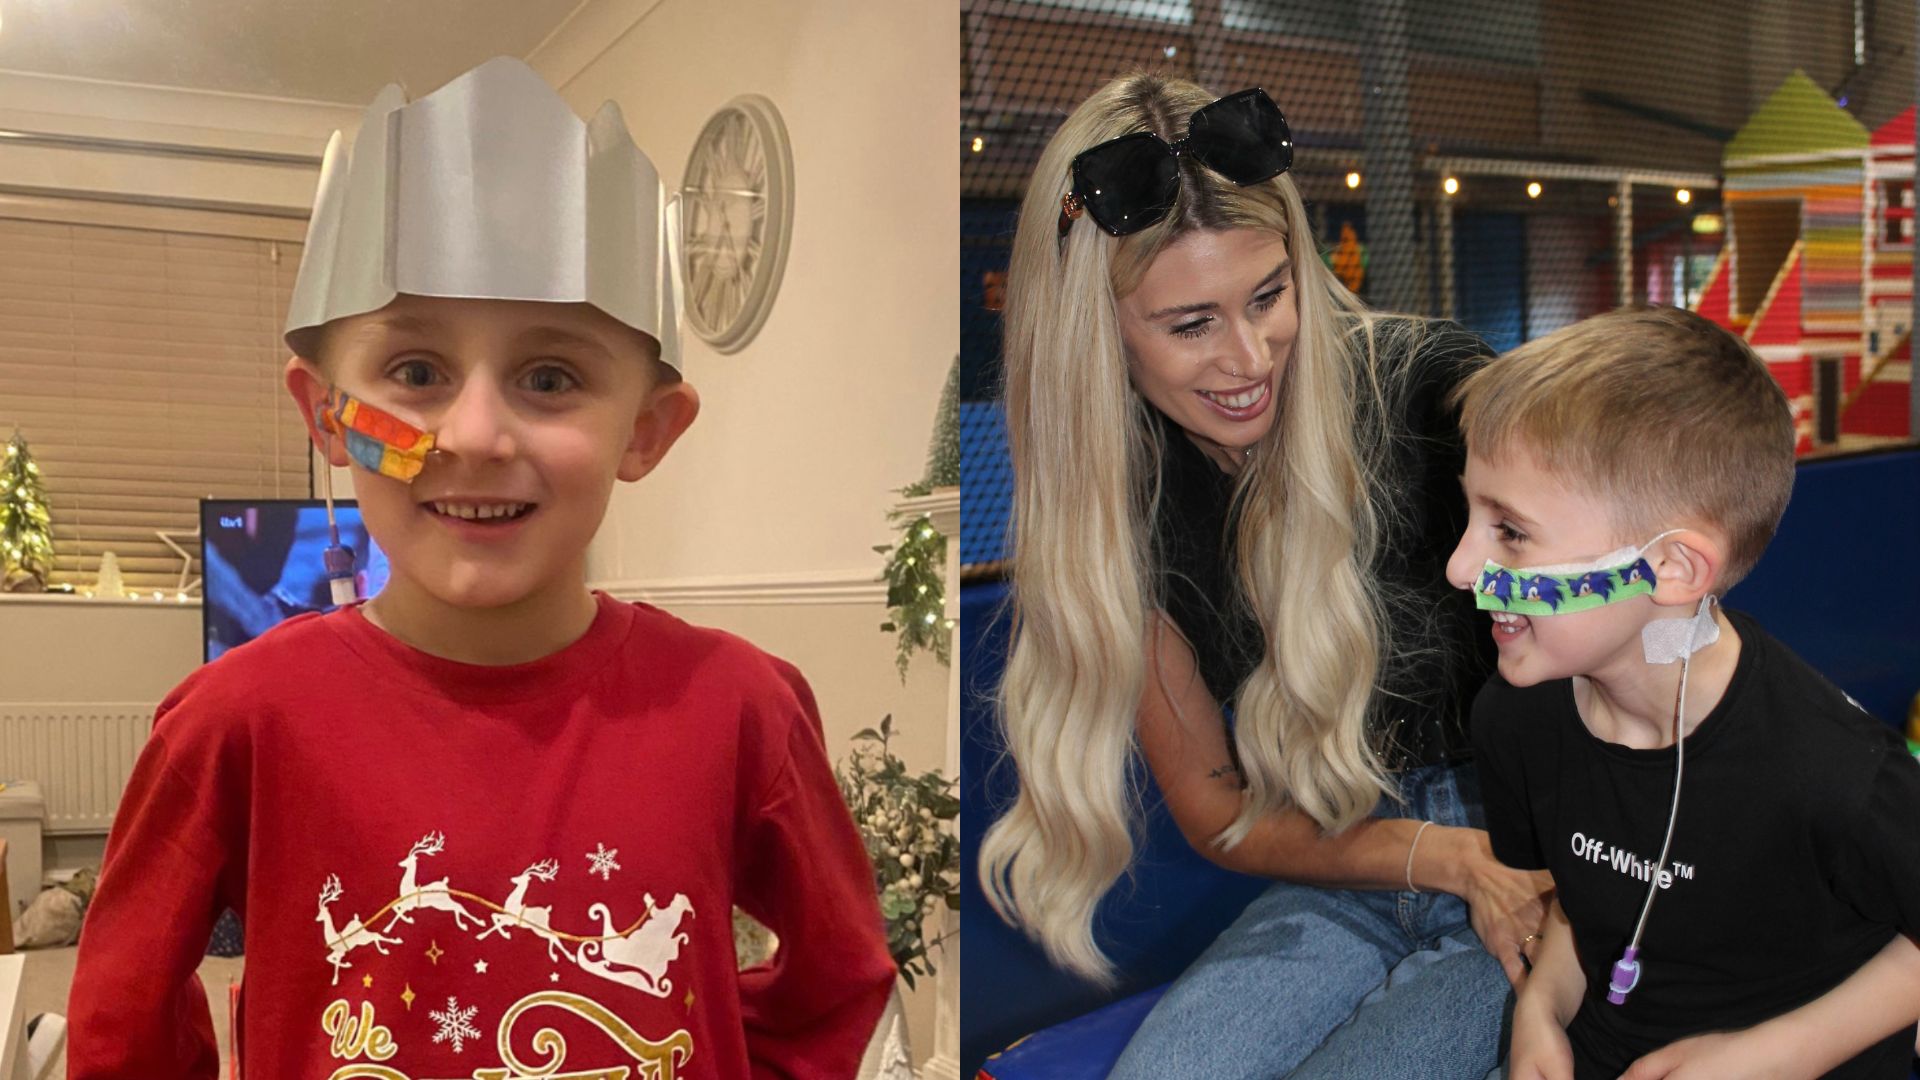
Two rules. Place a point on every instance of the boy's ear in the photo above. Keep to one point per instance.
(309, 388)
(1685, 565)
(670, 408)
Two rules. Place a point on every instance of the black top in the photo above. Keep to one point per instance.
(1421, 718)
(1796, 854)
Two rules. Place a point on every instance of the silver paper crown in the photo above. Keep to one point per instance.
(489, 187)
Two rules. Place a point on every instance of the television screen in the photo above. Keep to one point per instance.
(262, 564)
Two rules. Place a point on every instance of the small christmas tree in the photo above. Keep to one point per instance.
(916, 565)
(109, 583)
(943, 453)
(26, 539)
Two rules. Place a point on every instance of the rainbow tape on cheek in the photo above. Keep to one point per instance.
(379, 441)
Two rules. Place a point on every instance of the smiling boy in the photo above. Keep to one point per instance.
(566, 401)
(1759, 874)
(487, 823)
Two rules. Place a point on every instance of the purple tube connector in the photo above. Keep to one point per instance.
(1626, 976)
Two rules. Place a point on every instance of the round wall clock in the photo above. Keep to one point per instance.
(737, 220)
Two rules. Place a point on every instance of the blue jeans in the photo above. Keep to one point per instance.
(1339, 983)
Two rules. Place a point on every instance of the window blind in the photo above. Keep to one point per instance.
(143, 367)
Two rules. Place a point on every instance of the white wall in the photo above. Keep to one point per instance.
(803, 433)
(81, 107)
(69, 649)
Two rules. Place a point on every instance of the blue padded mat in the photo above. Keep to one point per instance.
(1084, 1048)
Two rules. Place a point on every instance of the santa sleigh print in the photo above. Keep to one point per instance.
(638, 956)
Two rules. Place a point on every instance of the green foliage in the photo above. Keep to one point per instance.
(753, 943)
(916, 591)
(26, 535)
(906, 823)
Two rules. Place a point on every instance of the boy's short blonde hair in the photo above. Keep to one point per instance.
(1661, 413)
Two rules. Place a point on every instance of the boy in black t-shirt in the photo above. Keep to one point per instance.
(1760, 879)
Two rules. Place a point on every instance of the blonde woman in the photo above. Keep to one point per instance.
(1235, 495)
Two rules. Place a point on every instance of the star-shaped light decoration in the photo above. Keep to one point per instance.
(434, 953)
(172, 539)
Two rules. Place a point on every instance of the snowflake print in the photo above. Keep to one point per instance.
(454, 1024)
(602, 861)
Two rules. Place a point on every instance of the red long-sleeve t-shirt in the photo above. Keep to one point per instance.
(449, 870)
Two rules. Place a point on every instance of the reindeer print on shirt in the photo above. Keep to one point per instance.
(638, 956)
(517, 913)
(436, 895)
(353, 936)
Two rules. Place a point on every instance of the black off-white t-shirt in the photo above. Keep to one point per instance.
(1796, 854)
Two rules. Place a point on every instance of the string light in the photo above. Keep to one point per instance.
(1451, 185)
(24, 538)
(915, 591)
(1533, 189)
(979, 144)
(1684, 196)
(1353, 180)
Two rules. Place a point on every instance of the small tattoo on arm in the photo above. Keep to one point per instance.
(1223, 770)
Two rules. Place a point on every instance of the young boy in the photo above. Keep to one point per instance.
(488, 823)
(1622, 474)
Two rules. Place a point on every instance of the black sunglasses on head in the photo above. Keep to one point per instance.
(1129, 183)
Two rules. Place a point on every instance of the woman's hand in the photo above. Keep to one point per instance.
(1540, 1047)
(1508, 907)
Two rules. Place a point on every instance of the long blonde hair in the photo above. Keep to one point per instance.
(1086, 458)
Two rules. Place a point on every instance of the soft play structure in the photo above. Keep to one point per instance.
(1817, 271)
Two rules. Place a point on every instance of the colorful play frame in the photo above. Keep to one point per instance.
(1817, 271)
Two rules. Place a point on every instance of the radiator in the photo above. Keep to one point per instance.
(81, 754)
